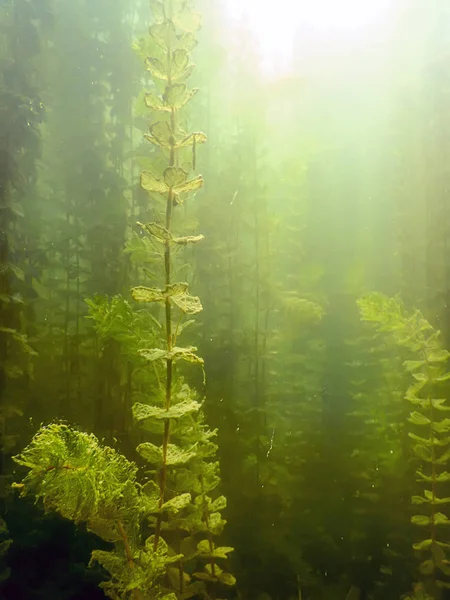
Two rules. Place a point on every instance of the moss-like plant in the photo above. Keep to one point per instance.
(88, 483)
(427, 368)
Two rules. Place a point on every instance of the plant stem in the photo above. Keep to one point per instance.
(136, 593)
(169, 338)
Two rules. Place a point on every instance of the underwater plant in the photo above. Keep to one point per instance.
(379, 463)
(92, 484)
(186, 470)
(5, 543)
(426, 366)
(157, 528)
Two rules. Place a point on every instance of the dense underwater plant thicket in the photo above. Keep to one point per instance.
(429, 426)
(319, 185)
(86, 482)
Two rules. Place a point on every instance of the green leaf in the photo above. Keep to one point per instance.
(424, 521)
(440, 355)
(105, 529)
(176, 291)
(174, 575)
(443, 378)
(177, 95)
(188, 20)
(161, 134)
(433, 499)
(145, 294)
(189, 239)
(178, 456)
(156, 67)
(150, 183)
(178, 288)
(174, 176)
(180, 63)
(188, 547)
(421, 520)
(186, 40)
(427, 567)
(174, 505)
(190, 305)
(205, 577)
(164, 34)
(429, 441)
(429, 499)
(179, 68)
(175, 179)
(421, 377)
(150, 452)
(227, 579)
(441, 478)
(193, 138)
(204, 548)
(424, 545)
(219, 504)
(176, 353)
(424, 452)
(438, 404)
(151, 495)
(418, 419)
(441, 519)
(142, 412)
(440, 558)
(413, 365)
(413, 390)
(175, 455)
(214, 574)
(190, 186)
(444, 458)
(152, 101)
(161, 234)
(174, 98)
(216, 523)
(157, 231)
(442, 426)
(423, 441)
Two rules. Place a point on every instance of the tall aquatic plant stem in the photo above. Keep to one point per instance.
(168, 319)
(181, 464)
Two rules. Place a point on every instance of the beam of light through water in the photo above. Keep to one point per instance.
(275, 24)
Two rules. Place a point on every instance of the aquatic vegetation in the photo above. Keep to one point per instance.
(21, 113)
(426, 366)
(93, 484)
(378, 461)
(86, 482)
(5, 543)
(187, 472)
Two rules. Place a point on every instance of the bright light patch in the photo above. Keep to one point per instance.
(275, 22)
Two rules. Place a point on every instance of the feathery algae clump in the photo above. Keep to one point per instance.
(88, 483)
